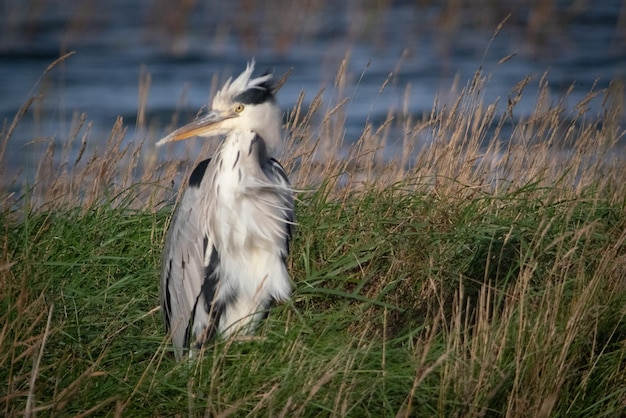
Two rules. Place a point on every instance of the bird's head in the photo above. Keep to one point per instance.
(244, 103)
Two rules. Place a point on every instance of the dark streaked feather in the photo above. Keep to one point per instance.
(207, 293)
(198, 173)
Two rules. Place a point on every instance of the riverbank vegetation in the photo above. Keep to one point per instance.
(480, 271)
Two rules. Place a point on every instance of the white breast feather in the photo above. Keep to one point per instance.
(246, 230)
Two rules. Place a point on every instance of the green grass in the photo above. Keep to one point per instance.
(404, 303)
(483, 276)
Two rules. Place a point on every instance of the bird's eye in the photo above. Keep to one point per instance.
(239, 108)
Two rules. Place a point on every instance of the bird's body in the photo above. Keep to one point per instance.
(225, 254)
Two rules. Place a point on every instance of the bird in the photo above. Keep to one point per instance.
(224, 261)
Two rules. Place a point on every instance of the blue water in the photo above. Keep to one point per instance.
(182, 49)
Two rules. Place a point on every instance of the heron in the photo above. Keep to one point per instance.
(225, 256)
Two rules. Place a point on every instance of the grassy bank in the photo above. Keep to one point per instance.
(482, 276)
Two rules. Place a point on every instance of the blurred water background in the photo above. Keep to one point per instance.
(187, 45)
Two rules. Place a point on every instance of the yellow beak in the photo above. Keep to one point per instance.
(208, 125)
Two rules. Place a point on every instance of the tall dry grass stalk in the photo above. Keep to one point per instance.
(455, 146)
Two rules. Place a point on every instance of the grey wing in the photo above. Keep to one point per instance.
(276, 173)
(183, 263)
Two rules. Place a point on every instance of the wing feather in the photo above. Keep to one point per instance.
(183, 263)
(286, 214)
